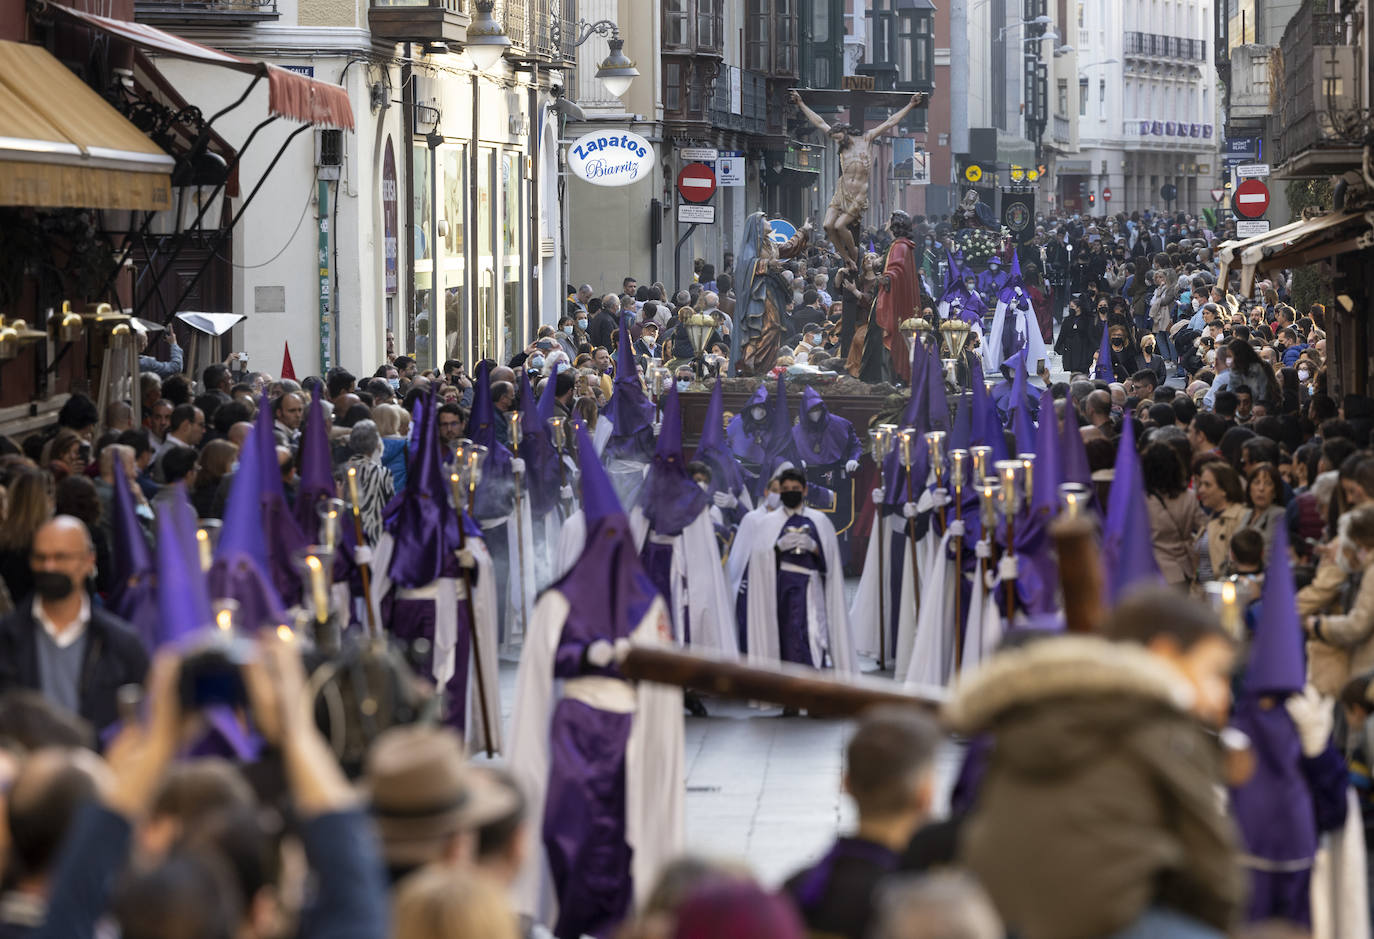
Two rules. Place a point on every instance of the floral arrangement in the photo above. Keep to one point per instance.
(978, 244)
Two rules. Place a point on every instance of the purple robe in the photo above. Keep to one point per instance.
(794, 635)
(825, 442)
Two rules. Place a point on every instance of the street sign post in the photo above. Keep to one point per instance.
(1252, 170)
(1251, 229)
(702, 154)
(1218, 195)
(696, 182)
(782, 230)
(973, 172)
(1251, 199)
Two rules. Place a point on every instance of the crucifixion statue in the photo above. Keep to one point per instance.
(850, 201)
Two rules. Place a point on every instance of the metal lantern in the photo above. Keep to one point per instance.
(982, 461)
(955, 332)
(906, 441)
(558, 431)
(958, 467)
(935, 445)
(1075, 499)
(699, 328)
(1028, 467)
(330, 512)
(1011, 475)
(989, 492)
(882, 442)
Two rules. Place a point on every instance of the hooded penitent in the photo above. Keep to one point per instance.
(133, 591)
(598, 759)
(822, 438)
(778, 446)
(726, 473)
(630, 412)
(748, 430)
(1128, 555)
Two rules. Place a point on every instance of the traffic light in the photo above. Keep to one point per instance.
(1092, 198)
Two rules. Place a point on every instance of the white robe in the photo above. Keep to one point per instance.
(827, 618)
(931, 663)
(984, 631)
(447, 594)
(705, 598)
(866, 598)
(655, 770)
(520, 590)
(1027, 327)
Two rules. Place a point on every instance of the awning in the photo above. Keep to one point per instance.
(290, 95)
(1295, 244)
(61, 144)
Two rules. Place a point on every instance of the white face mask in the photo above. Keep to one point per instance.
(705, 486)
(683, 384)
(772, 501)
(758, 412)
(1303, 374)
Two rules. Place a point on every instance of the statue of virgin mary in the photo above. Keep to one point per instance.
(761, 292)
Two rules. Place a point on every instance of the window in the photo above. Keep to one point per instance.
(1102, 98)
(676, 24)
(1082, 97)
(757, 35)
(708, 25)
(1332, 86)
(785, 37)
(672, 86)
(1062, 98)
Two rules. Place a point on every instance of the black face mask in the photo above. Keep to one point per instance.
(792, 499)
(53, 585)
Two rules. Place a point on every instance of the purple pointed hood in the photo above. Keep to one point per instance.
(496, 487)
(985, 426)
(1075, 468)
(1022, 427)
(669, 498)
(1048, 454)
(630, 411)
(542, 481)
(1014, 279)
(824, 442)
(780, 447)
(133, 591)
(1103, 370)
(420, 519)
(242, 558)
(183, 599)
(726, 473)
(937, 403)
(284, 536)
(1277, 663)
(914, 417)
(1128, 555)
(607, 588)
(417, 419)
(317, 478)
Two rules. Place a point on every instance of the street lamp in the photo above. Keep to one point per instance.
(487, 41)
(1041, 20)
(1084, 68)
(617, 70)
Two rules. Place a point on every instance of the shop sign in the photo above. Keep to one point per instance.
(389, 216)
(611, 158)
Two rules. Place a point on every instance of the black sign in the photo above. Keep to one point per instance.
(1018, 215)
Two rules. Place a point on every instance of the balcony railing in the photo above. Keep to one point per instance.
(1318, 104)
(183, 11)
(1156, 46)
(419, 20)
(1197, 134)
(750, 89)
(542, 30)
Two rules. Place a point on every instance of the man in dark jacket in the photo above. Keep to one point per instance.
(56, 642)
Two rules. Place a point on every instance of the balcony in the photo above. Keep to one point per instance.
(1319, 122)
(1169, 135)
(217, 12)
(426, 21)
(740, 102)
(1156, 46)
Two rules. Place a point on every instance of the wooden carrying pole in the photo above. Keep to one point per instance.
(786, 685)
(1080, 573)
(473, 628)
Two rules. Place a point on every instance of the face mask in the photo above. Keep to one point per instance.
(772, 501)
(581, 324)
(52, 585)
(683, 384)
(536, 361)
(705, 486)
(395, 383)
(792, 499)
(758, 412)
(816, 415)
(1303, 374)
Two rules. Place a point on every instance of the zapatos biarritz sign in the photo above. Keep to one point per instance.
(611, 157)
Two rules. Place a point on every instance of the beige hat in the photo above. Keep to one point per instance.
(422, 791)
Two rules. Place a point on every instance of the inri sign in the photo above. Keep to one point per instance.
(611, 158)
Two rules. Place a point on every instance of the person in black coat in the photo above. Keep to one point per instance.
(57, 642)
(1079, 337)
(604, 323)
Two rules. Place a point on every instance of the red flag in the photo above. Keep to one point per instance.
(287, 370)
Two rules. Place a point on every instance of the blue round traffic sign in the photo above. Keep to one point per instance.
(783, 230)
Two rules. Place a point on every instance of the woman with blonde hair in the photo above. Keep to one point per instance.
(444, 903)
(392, 421)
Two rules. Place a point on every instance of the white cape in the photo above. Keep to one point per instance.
(520, 588)
(1027, 328)
(867, 597)
(931, 662)
(655, 774)
(447, 593)
(705, 599)
(827, 617)
(983, 634)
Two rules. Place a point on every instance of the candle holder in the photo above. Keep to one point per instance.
(515, 418)
(1028, 468)
(1225, 602)
(989, 497)
(1074, 497)
(558, 431)
(959, 461)
(204, 550)
(935, 445)
(330, 512)
(1011, 475)
(982, 461)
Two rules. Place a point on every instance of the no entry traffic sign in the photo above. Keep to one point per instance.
(1106, 195)
(1251, 198)
(696, 182)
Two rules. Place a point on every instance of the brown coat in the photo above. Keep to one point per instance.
(1346, 646)
(1100, 799)
(1219, 532)
(1174, 527)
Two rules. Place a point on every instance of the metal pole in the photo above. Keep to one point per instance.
(677, 256)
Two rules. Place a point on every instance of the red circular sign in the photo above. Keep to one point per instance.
(1250, 199)
(1107, 195)
(696, 182)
